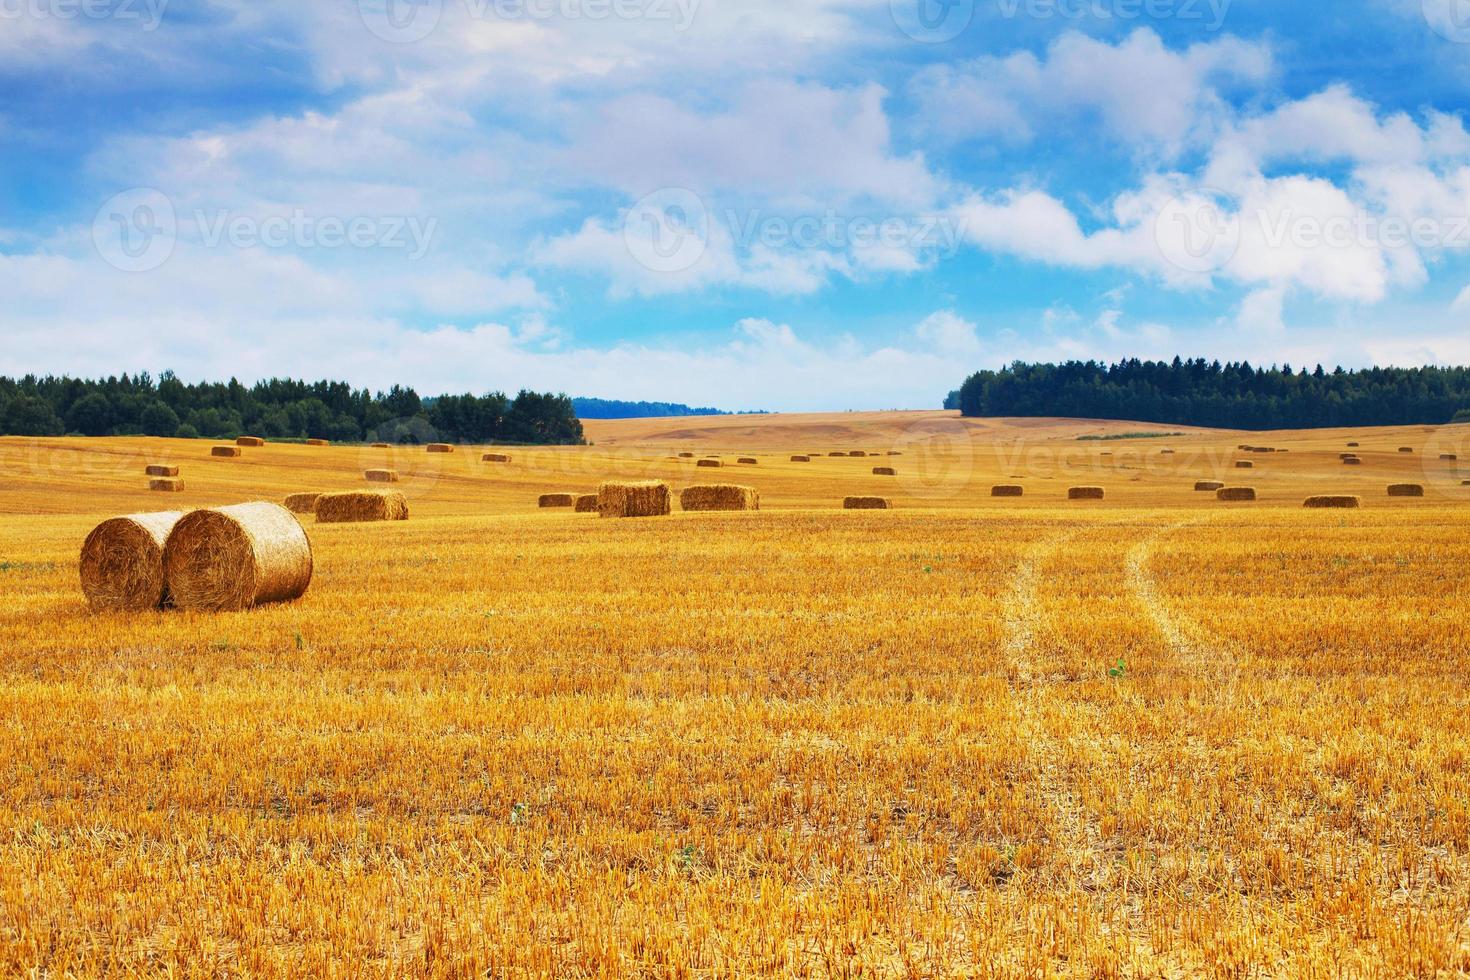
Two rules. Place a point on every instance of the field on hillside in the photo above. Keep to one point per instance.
(1153, 735)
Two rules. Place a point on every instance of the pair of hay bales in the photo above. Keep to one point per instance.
(866, 503)
(224, 558)
(1331, 500)
(719, 496)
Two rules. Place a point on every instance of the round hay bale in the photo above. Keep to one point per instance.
(586, 503)
(1405, 490)
(719, 496)
(1328, 500)
(645, 498)
(711, 463)
(1235, 493)
(160, 470)
(439, 447)
(380, 476)
(380, 445)
(122, 562)
(301, 503)
(1007, 490)
(1406, 449)
(1244, 464)
(226, 452)
(866, 503)
(801, 459)
(556, 500)
(1209, 486)
(884, 471)
(495, 458)
(356, 506)
(237, 557)
(747, 461)
(166, 484)
(318, 442)
(1352, 461)
(1085, 493)
(250, 441)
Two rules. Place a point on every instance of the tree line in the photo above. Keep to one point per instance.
(278, 409)
(1208, 393)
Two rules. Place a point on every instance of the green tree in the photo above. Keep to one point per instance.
(91, 415)
(30, 415)
(157, 419)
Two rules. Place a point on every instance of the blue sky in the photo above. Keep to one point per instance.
(805, 205)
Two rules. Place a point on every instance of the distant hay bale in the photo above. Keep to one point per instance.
(160, 470)
(380, 445)
(439, 447)
(1352, 461)
(1405, 490)
(586, 503)
(645, 498)
(1329, 500)
(1449, 457)
(1244, 464)
(380, 476)
(1245, 449)
(801, 459)
(355, 506)
(866, 503)
(556, 500)
(225, 452)
(495, 458)
(1351, 445)
(1209, 486)
(709, 463)
(719, 496)
(1406, 449)
(250, 441)
(122, 562)
(166, 484)
(686, 455)
(747, 460)
(1007, 490)
(237, 557)
(884, 471)
(1235, 493)
(894, 452)
(1166, 452)
(857, 454)
(1085, 493)
(1347, 455)
(318, 442)
(301, 503)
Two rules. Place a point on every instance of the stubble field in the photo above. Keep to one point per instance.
(1155, 735)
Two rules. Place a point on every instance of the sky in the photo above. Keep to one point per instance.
(789, 205)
